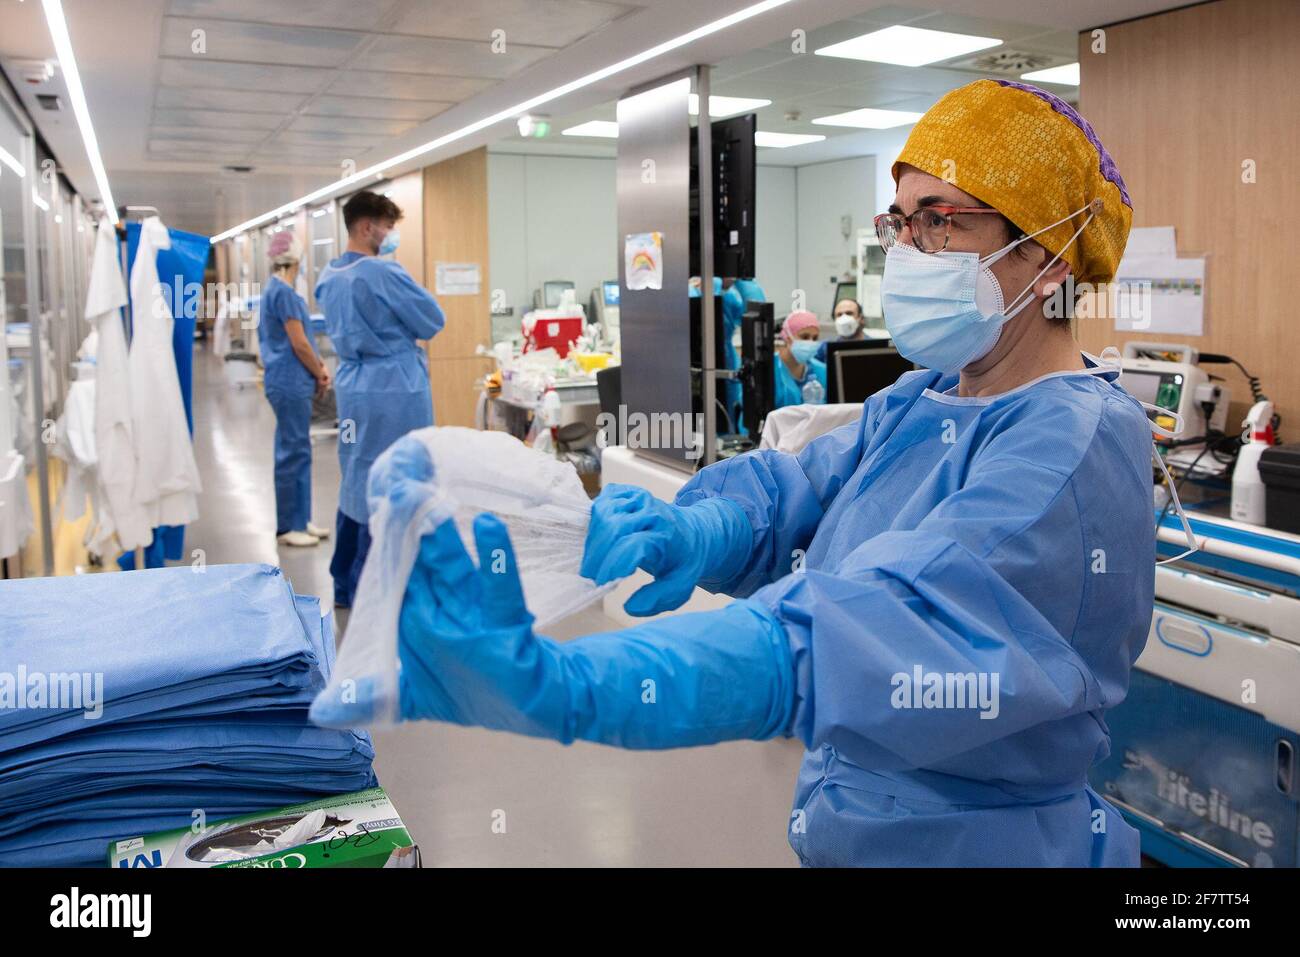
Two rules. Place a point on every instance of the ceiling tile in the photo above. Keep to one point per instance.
(353, 124)
(407, 86)
(978, 26)
(208, 134)
(892, 13)
(319, 157)
(242, 76)
(309, 138)
(257, 43)
(199, 98)
(217, 120)
(331, 105)
(216, 147)
(343, 14)
(551, 23)
(450, 57)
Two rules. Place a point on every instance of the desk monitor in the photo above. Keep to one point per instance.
(858, 369)
(553, 290)
(610, 290)
(758, 335)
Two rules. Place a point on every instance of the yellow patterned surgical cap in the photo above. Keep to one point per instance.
(1033, 158)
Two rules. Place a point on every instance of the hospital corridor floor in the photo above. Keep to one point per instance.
(472, 797)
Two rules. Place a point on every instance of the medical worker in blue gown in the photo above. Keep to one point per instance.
(374, 314)
(940, 601)
(735, 296)
(293, 373)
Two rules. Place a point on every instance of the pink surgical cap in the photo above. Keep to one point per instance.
(796, 322)
(283, 248)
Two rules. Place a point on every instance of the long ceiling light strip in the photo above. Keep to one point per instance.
(8, 159)
(68, 63)
(372, 172)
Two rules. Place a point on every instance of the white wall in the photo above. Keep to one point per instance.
(549, 217)
(826, 193)
(776, 234)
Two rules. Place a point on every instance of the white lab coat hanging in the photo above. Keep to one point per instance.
(167, 477)
(114, 429)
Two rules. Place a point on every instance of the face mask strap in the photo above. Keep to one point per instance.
(1160, 429)
(1094, 206)
(1192, 545)
(1091, 210)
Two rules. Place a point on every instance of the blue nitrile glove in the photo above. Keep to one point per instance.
(632, 529)
(469, 656)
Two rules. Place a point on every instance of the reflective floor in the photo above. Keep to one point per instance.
(473, 797)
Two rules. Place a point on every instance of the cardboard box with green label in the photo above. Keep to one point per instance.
(361, 829)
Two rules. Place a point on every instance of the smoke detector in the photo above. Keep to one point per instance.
(1004, 62)
(238, 169)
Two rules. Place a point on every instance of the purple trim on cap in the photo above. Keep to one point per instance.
(1108, 169)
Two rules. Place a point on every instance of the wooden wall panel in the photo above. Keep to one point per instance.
(1182, 100)
(456, 231)
(408, 193)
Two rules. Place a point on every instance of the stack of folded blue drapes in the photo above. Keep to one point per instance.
(144, 701)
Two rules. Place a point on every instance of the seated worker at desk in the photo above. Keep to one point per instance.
(848, 325)
(800, 375)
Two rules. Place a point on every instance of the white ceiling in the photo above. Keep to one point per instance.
(803, 87)
(294, 88)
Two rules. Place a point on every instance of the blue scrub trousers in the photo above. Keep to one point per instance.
(351, 545)
(292, 460)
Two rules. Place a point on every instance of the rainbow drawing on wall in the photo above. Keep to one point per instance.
(643, 259)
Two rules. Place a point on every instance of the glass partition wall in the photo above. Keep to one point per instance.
(47, 237)
(26, 389)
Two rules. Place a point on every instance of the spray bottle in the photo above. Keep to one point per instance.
(1247, 487)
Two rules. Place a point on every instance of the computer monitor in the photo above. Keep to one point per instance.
(757, 337)
(604, 309)
(553, 290)
(858, 369)
(735, 178)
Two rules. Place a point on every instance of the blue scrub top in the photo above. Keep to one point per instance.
(790, 392)
(285, 372)
(1004, 537)
(374, 313)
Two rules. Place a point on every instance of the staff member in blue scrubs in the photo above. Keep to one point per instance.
(375, 313)
(293, 373)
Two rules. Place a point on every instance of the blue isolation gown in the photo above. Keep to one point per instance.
(374, 313)
(1006, 537)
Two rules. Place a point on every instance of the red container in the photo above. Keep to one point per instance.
(559, 334)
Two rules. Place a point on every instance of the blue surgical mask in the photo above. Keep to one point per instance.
(946, 310)
(803, 349)
(389, 245)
